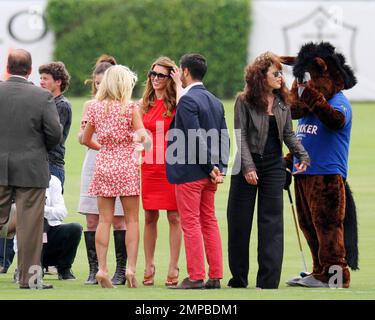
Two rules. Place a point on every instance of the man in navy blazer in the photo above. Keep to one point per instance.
(196, 161)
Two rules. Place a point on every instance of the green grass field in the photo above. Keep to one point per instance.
(361, 178)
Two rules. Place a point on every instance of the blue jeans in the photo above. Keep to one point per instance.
(6, 257)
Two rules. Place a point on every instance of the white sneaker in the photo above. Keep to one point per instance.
(51, 270)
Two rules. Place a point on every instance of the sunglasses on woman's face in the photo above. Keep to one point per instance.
(277, 74)
(153, 74)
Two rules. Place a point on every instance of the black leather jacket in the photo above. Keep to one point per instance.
(253, 132)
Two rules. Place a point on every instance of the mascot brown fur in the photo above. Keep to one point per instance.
(326, 209)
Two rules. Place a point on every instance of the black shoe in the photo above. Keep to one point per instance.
(189, 284)
(66, 274)
(212, 284)
(236, 284)
(40, 287)
(3, 270)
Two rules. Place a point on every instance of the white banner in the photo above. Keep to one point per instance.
(22, 25)
(283, 26)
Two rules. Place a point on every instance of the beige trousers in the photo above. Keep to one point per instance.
(29, 228)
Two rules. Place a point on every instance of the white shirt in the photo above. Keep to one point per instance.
(55, 210)
(185, 90)
(17, 76)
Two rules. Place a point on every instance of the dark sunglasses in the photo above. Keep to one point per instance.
(277, 74)
(161, 76)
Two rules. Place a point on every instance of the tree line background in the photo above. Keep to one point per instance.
(136, 32)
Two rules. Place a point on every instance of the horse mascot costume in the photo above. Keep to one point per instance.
(324, 201)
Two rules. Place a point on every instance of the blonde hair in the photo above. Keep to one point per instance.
(170, 92)
(117, 85)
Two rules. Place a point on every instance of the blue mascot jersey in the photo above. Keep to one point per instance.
(328, 149)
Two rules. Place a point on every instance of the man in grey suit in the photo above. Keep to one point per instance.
(29, 127)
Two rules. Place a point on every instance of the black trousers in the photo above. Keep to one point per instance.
(241, 203)
(61, 248)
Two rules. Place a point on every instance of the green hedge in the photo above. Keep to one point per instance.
(138, 31)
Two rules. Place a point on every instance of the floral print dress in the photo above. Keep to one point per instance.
(117, 168)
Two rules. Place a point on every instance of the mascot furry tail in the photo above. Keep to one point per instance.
(351, 230)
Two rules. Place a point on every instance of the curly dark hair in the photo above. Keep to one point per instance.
(255, 91)
(58, 72)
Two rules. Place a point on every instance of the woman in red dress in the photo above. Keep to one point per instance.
(158, 108)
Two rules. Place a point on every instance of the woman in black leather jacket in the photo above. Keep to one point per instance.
(262, 122)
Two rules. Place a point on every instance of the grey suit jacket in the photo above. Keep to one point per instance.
(29, 127)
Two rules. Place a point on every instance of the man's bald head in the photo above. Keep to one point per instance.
(19, 62)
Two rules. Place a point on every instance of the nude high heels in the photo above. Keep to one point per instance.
(131, 280)
(104, 280)
(172, 280)
(148, 280)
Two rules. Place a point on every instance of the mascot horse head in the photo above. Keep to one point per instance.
(327, 68)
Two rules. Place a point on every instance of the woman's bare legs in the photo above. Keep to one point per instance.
(149, 241)
(131, 209)
(92, 221)
(118, 223)
(175, 238)
(106, 208)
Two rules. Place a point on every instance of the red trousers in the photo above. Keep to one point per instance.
(196, 206)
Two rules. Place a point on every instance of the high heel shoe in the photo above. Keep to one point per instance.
(132, 281)
(104, 280)
(148, 280)
(172, 280)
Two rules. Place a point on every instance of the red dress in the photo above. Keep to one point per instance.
(157, 192)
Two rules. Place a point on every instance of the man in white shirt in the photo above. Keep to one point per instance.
(61, 240)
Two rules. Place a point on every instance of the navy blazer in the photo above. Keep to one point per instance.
(198, 137)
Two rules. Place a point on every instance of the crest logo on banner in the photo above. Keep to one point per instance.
(23, 25)
(319, 25)
(28, 26)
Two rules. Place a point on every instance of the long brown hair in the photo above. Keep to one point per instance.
(170, 93)
(101, 65)
(255, 91)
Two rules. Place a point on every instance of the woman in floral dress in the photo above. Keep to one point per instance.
(115, 119)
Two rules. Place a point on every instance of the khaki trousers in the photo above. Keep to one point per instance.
(29, 228)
